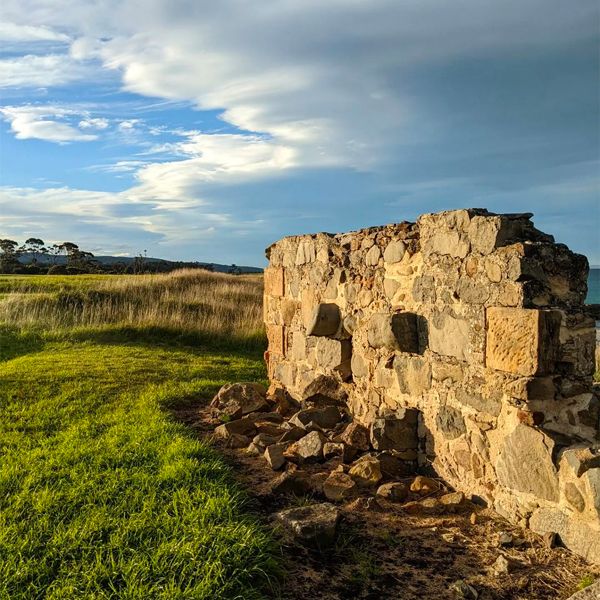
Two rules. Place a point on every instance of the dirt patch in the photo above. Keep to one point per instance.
(382, 552)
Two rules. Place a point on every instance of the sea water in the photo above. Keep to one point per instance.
(593, 295)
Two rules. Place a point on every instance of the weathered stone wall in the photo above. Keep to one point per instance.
(477, 320)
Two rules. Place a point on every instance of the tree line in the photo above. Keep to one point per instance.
(35, 257)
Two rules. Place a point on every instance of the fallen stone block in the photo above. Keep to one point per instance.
(243, 426)
(238, 399)
(292, 435)
(237, 440)
(338, 486)
(344, 451)
(326, 417)
(307, 448)
(314, 525)
(393, 492)
(356, 435)
(424, 485)
(366, 471)
(274, 456)
(292, 483)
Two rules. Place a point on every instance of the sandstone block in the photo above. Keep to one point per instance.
(274, 456)
(522, 341)
(331, 354)
(277, 340)
(338, 486)
(450, 336)
(274, 281)
(393, 492)
(366, 471)
(528, 446)
(324, 320)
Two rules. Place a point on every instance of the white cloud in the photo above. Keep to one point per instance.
(93, 123)
(44, 123)
(48, 70)
(12, 32)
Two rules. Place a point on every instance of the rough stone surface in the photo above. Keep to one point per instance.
(395, 433)
(528, 446)
(338, 486)
(522, 341)
(356, 435)
(476, 322)
(314, 525)
(326, 417)
(238, 399)
(274, 456)
(307, 448)
(366, 471)
(394, 492)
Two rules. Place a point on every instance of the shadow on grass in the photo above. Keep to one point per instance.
(250, 346)
(15, 342)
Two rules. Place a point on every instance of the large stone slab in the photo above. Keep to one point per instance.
(449, 336)
(579, 536)
(521, 340)
(525, 463)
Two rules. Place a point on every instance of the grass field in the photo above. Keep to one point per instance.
(102, 493)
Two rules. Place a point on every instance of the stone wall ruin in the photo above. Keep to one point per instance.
(473, 322)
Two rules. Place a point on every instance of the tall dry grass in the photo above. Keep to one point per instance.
(188, 300)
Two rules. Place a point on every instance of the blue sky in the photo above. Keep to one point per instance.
(204, 131)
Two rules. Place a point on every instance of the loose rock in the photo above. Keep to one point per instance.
(424, 485)
(307, 448)
(237, 399)
(366, 471)
(274, 456)
(240, 426)
(313, 525)
(356, 435)
(326, 417)
(338, 486)
(394, 492)
(296, 483)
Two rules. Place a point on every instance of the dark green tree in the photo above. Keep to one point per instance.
(9, 256)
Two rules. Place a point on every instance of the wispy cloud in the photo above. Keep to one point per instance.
(12, 32)
(45, 123)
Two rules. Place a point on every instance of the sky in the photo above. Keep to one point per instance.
(198, 130)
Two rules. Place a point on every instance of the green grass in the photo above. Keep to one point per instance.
(102, 493)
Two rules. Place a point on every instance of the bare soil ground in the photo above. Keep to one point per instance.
(383, 552)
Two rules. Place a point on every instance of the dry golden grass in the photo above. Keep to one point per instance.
(187, 300)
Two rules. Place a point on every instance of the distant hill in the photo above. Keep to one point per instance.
(27, 257)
